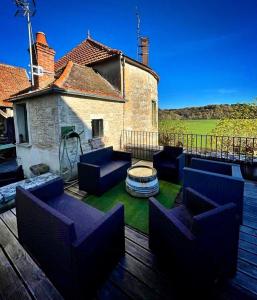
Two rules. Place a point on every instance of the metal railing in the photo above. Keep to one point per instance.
(143, 144)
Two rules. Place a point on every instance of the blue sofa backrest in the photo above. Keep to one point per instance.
(212, 166)
(49, 189)
(43, 230)
(97, 157)
(172, 152)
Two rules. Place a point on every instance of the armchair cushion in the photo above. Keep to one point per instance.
(82, 214)
(183, 215)
(196, 202)
(111, 167)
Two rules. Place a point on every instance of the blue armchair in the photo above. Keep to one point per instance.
(169, 163)
(198, 239)
(76, 244)
(101, 169)
(219, 187)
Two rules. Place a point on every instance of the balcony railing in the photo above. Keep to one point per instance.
(143, 144)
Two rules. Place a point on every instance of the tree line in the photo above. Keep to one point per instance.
(219, 111)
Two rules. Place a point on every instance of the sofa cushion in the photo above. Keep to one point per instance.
(111, 166)
(83, 215)
(183, 215)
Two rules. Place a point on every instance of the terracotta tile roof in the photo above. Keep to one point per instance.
(12, 81)
(89, 51)
(84, 79)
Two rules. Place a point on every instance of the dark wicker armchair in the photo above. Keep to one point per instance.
(169, 163)
(75, 244)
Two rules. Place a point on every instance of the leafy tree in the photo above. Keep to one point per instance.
(241, 122)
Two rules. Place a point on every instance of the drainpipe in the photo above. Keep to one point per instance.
(123, 75)
(122, 59)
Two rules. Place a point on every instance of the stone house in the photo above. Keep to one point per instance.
(93, 89)
(12, 81)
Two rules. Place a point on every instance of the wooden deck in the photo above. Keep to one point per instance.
(246, 278)
(137, 276)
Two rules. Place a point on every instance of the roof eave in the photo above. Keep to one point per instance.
(51, 90)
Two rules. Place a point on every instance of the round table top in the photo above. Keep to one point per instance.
(141, 171)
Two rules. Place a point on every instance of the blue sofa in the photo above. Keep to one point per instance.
(221, 182)
(101, 169)
(169, 163)
(198, 240)
(11, 176)
(75, 244)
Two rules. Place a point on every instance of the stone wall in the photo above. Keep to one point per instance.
(141, 88)
(43, 134)
(80, 111)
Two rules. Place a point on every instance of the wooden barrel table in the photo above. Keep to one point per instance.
(142, 181)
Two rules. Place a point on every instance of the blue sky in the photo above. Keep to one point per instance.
(204, 51)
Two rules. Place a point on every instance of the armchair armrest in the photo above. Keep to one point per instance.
(157, 157)
(165, 227)
(89, 176)
(122, 155)
(49, 190)
(90, 169)
(196, 202)
(181, 163)
(219, 219)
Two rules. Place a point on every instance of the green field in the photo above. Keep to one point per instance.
(191, 126)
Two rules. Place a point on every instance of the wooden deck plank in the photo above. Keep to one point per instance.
(137, 237)
(249, 230)
(11, 287)
(248, 246)
(132, 287)
(10, 221)
(110, 292)
(247, 256)
(147, 276)
(248, 238)
(247, 268)
(37, 283)
(246, 282)
(250, 224)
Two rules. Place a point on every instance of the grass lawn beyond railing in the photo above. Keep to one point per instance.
(136, 209)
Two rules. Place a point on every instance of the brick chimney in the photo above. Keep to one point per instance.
(43, 56)
(144, 44)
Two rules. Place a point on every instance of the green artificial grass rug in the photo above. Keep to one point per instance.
(136, 209)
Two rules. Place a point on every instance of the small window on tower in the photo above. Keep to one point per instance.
(97, 128)
(154, 113)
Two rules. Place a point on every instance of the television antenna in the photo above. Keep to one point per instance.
(138, 33)
(27, 8)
